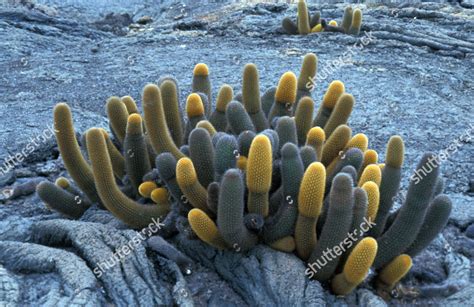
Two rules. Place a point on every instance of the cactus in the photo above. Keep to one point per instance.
(238, 118)
(188, 182)
(308, 156)
(392, 273)
(310, 200)
(60, 199)
(195, 111)
(268, 99)
(173, 115)
(166, 167)
(340, 114)
(347, 18)
(155, 122)
(335, 144)
(303, 19)
(307, 77)
(202, 84)
(245, 140)
(146, 188)
(356, 22)
(118, 161)
(371, 173)
(334, 91)
(201, 153)
(391, 176)
(205, 228)
(226, 149)
(304, 118)
(336, 226)
(160, 196)
(316, 138)
(356, 267)
(285, 96)
(370, 157)
(117, 113)
(259, 175)
(76, 165)
(230, 221)
(289, 26)
(373, 197)
(251, 97)
(133, 214)
(406, 226)
(286, 129)
(137, 163)
(206, 125)
(130, 105)
(224, 97)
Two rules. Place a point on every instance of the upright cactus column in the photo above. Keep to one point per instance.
(251, 97)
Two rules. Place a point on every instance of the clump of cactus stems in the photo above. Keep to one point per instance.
(257, 169)
(306, 24)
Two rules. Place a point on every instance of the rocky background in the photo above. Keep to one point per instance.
(413, 78)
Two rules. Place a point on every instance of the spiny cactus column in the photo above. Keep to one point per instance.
(238, 119)
(394, 272)
(356, 267)
(286, 129)
(137, 162)
(226, 155)
(336, 227)
(334, 91)
(304, 118)
(316, 138)
(335, 144)
(118, 161)
(347, 18)
(391, 176)
(289, 26)
(188, 182)
(195, 111)
(130, 212)
(201, 153)
(173, 115)
(251, 97)
(303, 19)
(406, 226)
(155, 122)
(166, 166)
(373, 197)
(224, 97)
(340, 114)
(117, 113)
(310, 201)
(61, 200)
(356, 22)
(76, 165)
(285, 97)
(259, 175)
(230, 219)
(307, 77)
(205, 228)
(202, 84)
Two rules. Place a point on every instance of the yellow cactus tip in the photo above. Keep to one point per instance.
(286, 90)
(371, 173)
(185, 172)
(334, 91)
(242, 163)
(62, 183)
(135, 119)
(392, 273)
(159, 196)
(395, 152)
(360, 260)
(146, 188)
(333, 23)
(194, 105)
(201, 69)
(317, 28)
(316, 133)
(371, 155)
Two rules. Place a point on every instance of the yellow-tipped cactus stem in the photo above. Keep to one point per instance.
(194, 106)
(340, 114)
(194, 192)
(173, 115)
(394, 272)
(360, 141)
(225, 95)
(205, 124)
(286, 244)
(146, 188)
(285, 96)
(160, 196)
(333, 23)
(370, 157)
(304, 118)
(395, 152)
(334, 91)
(259, 174)
(205, 228)
(202, 84)
(130, 104)
(63, 183)
(335, 144)
(310, 202)
(118, 161)
(373, 196)
(242, 163)
(307, 72)
(76, 165)
(356, 267)
(317, 28)
(356, 22)
(118, 114)
(201, 69)
(133, 214)
(303, 18)
(316, 138)
(371, 173)
(155, 122)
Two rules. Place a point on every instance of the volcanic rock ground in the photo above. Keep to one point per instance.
(413, 78)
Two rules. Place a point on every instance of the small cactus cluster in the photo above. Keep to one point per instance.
(306, 24)
(255, 169)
